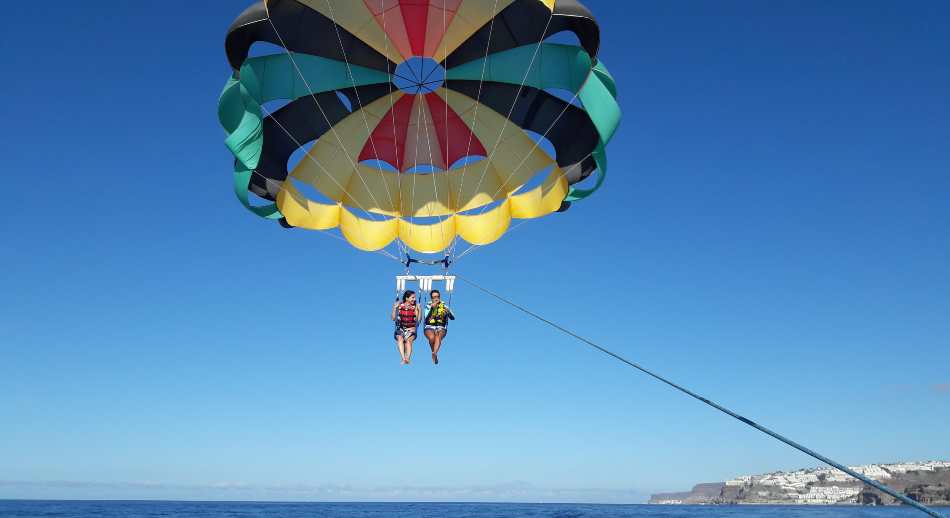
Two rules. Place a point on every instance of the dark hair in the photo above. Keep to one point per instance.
(405, 296)
(433, 292)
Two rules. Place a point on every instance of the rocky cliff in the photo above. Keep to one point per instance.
(700, 494)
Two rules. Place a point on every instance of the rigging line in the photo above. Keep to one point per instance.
(477, 247)
(511, 110)
(537, 142)
(322, 112)
(877, 485)
(415, 155)
(435, 186)
(447, 135)
(478, 97)
(415, 159)
(445, 129)
(403, 248)
(314, 97)
(313, 159)
(356, 91)
(383, 252)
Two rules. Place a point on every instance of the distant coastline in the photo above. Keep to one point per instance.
(927, 482)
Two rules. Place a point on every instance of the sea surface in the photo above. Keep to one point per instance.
(149, 509)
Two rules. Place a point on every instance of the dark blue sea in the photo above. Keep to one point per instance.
(155, 509)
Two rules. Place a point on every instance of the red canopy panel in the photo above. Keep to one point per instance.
(389, 136)
(456, 140)
(415, 27)
(436, 131)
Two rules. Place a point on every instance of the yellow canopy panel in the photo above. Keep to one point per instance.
(481, 227)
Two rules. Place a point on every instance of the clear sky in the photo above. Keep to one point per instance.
(773, 234)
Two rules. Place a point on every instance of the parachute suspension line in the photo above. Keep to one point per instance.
(315, 101)
(451, 290)
(322, 168)
(421, 298)
(445, 119)
(537, 142)
(514, 102)
(478, 97)
(448, 135)
(511, 110)
(472, 248)
(544, 135)
(403, 248)
(524, 159)
(384, 253)
(873, 483)
(359, 102)
(435, 186)
(415, 161)
(325, 118)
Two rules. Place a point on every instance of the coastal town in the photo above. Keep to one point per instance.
(821, 486)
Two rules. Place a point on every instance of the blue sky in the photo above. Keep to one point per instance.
(773, 234)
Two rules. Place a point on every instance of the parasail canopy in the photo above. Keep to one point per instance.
(422, 121)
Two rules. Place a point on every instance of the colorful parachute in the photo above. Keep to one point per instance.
(398, 99)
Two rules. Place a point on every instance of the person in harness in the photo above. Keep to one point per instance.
(437, 319)
(406, 316)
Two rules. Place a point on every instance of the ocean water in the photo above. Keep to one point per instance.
(156, 509)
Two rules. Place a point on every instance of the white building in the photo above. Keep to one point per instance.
(872, 471)
(795, 482)
(828, 494)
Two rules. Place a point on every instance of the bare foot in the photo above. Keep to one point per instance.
(404, 361)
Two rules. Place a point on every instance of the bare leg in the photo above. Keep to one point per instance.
(431, 336)
(400, 344)
(437, 344)
(409, 347)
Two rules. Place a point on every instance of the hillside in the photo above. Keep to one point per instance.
(927, 482)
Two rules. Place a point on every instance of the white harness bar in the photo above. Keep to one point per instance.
(425, 282)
